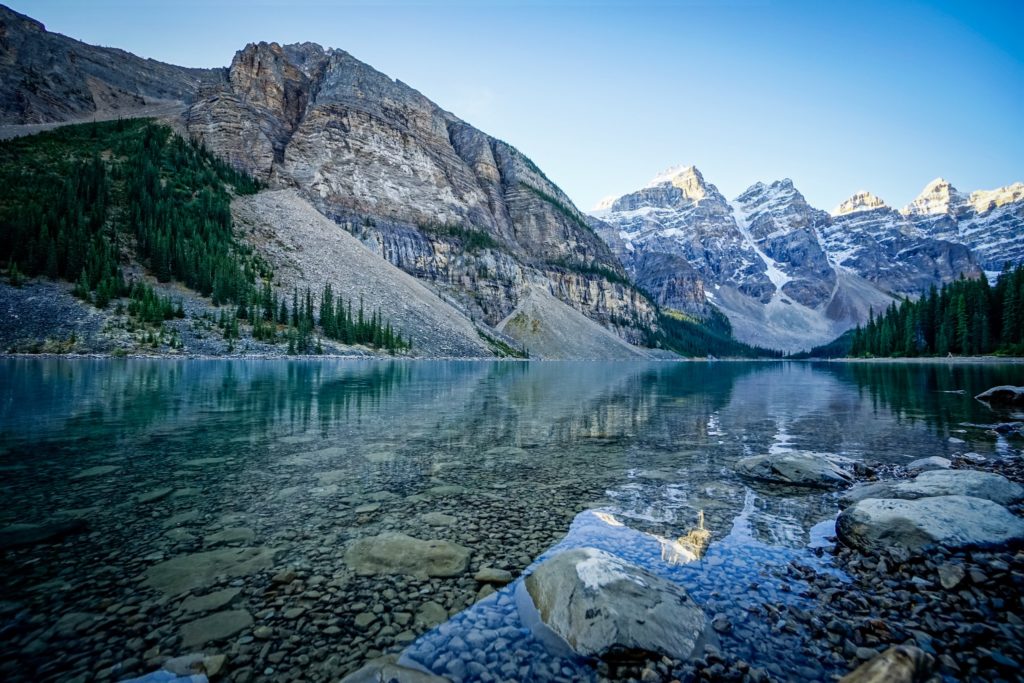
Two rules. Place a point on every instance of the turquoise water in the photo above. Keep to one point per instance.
(302, 457)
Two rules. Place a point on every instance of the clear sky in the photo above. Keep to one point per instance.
(838, 96)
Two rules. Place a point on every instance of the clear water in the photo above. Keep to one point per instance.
(307, 456)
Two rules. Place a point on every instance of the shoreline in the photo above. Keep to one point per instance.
(961, 360)
(924, 360)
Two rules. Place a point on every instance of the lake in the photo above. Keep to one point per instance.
(153, 474)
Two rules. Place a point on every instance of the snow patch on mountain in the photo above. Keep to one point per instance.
(778, 277)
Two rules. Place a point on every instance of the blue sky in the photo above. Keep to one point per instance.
(603, 95)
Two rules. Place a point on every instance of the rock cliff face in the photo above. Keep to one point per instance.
(47, 77)
(788, 274)
(427, 191)
(438, 198)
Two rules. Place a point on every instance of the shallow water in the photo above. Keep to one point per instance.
(302, 457)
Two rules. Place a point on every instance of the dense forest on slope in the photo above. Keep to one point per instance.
(79, 202)
(966, 317)
(712, 336)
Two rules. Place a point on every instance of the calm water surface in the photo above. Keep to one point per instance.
(302, 457)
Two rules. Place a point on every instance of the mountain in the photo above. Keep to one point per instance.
(792, 276)
(427, 191)
(46, 77)
(881, 245)
(987, 221)
(467, 214)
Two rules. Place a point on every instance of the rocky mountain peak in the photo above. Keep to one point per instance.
(686, 178)
(23, 22)
(678, 187)
(860, 201)
(984, 201)
(938, 197)
(778, 197)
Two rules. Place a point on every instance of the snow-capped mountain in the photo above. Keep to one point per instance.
(793, 276)
(988, 221)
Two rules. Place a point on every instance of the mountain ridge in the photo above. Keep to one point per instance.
(464, 212)
(768, 250)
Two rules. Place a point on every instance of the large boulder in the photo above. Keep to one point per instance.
(604, 607)
(1005, 395)
(393, 553)
(952, 522)
(973, 483)
(799, 468)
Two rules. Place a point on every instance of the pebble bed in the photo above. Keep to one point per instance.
(269, 472)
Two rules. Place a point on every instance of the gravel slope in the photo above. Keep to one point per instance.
(308, 249)
(553, 330)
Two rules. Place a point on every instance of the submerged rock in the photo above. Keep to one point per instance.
(493, 575)
(950, 575)
(216, 626)
(899, 664)
(953, 522)
(602, 607)
(155, 494)
(21, 535)
(211, 601)
(438, 519)
(987, 485)
(390, 670)
(798, 468)
(187, 572)
(230, 535)
(1005, 395)
(394, 553)
(97, 471)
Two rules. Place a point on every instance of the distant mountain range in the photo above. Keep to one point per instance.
(792, 276)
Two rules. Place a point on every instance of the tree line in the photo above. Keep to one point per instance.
(964, 317)
(334, 317)
(77, 201)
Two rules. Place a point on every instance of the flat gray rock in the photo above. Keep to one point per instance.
(601, 605)
(188, 572)
(492, 575)
(217, 626)
(155, 495)
(973, 483)
(438, 519)
(798, 468)
(230, 535)
(97, 471)
(953, 522)
(393, 553)
(430, 614)
(210, 601)
(935, 462)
